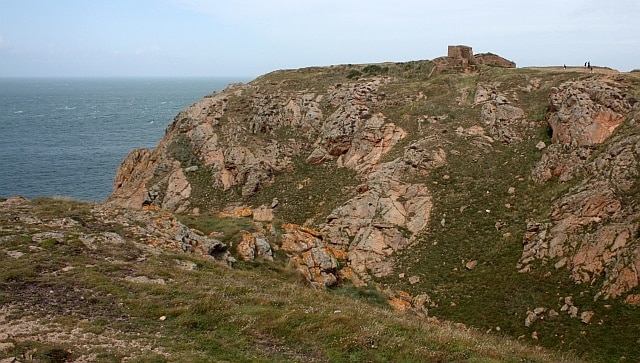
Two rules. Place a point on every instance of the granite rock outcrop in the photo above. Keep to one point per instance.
(150, 226)
(366, 228)
(593, 229)
(238, 146)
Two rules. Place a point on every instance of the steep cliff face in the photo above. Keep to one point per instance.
(238, 142)
(493, 197)
(349, 153)
(594, 228)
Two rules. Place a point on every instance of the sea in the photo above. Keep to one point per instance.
(66, 137)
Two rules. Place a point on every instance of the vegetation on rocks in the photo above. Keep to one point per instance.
(84, 283)
(502, 200)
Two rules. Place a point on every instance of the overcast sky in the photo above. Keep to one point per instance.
(253, 37)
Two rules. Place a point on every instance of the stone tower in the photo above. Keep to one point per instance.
(461, 52)
(460, 58)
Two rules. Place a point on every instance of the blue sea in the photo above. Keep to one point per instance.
(66, 137)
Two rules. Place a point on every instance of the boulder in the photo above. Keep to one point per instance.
(586, 316)
(263, 214)
(471, 264)
(315, 261)
(254, 245)
(501, 118)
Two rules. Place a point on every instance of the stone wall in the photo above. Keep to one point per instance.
(461, 52)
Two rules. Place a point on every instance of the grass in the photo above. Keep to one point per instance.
(483, 221)
(472, 198)
(263, 312)
(210, 313)
(307, 193)
(229, 229)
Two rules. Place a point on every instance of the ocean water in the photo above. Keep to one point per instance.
(66, 137)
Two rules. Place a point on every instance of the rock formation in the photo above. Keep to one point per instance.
(151, 227)
(233, 147)
(447, 184)
(594, 228)
(367, 228)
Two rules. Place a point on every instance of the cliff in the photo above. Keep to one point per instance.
(443, 188)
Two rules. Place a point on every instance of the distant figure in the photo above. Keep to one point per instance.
(564, 66)
(589, 64)
(585, 64)
(590, 69)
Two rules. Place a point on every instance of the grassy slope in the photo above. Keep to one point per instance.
(61, 301)
(493, 294)
(261, 312)
(475, 180)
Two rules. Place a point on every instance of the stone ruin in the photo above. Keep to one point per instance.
(460, 58)
(460, 55)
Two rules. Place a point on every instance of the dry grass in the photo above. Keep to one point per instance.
(265, 313)
(79, 304)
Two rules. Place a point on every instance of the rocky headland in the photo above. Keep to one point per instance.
(462, 188)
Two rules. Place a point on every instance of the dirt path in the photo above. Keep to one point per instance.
(581, 69)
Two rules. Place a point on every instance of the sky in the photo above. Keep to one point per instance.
(247, 38)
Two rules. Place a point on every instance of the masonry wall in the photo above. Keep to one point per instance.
(461, 51)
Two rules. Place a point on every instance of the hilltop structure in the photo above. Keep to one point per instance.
(504, 199)
(460, 58)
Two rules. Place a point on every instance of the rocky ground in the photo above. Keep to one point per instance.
(534, 168)
(504, 199)
(92, 283)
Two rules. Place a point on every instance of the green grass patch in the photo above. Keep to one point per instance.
(227, 229)
(307, 193)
